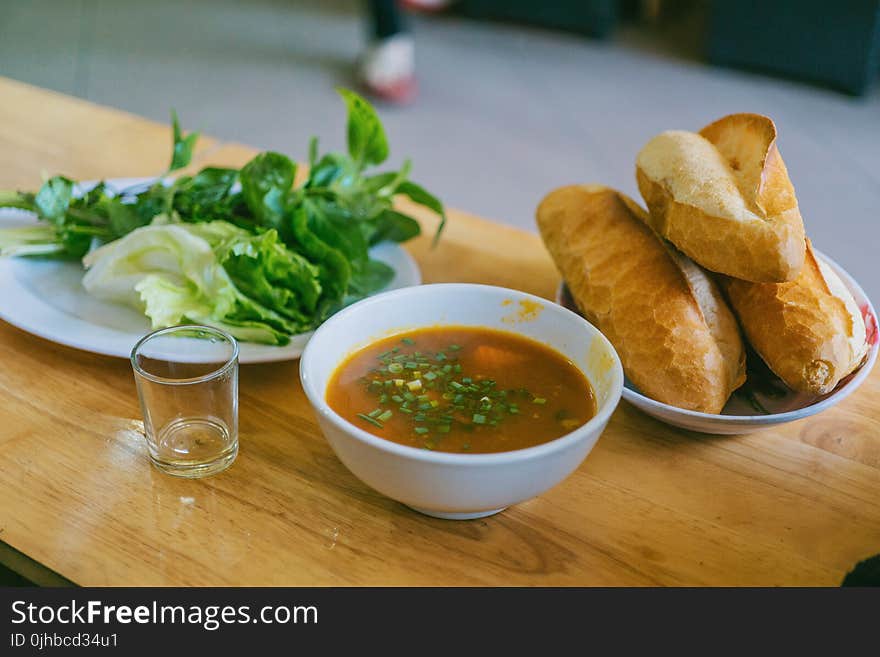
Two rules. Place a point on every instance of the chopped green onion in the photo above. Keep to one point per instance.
(370, 420)
(437, 395)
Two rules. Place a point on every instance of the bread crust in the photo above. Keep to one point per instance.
(724, 198)
(809, 331)
(677, 339)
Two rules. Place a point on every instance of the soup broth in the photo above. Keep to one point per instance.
(462, 390)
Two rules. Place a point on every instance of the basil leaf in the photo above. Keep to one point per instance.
(420, 195)
(313, 152)
(368, 277)
(123, 218)
(386, 184)
(265, 184)
(53, 199)
(335, 226)
(366, 136)
(206, 196)
(181, 154)
(392, 226)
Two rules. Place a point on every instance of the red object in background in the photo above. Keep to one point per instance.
(871, 334)
(400, 92)
(425, 7)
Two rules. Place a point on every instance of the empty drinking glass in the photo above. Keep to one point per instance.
(187, 382)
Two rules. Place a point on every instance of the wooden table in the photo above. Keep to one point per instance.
(651, 505)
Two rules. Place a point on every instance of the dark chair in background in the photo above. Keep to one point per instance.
(833, 43)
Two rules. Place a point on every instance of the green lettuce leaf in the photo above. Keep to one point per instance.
(334, 269)
(263, 268)
(174, 276)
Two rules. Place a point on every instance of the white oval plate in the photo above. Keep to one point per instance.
(46, 298)
(781, 403)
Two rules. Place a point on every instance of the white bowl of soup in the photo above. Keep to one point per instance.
(460, 400)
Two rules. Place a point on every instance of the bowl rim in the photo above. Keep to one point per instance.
(639, 400)
(319, 404)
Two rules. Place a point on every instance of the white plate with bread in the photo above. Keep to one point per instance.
(725, 318)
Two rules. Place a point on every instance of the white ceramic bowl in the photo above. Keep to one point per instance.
(459, 486)
(740, 414)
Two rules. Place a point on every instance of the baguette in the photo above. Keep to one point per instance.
(676, 337)
(724, 198)
(810, 332)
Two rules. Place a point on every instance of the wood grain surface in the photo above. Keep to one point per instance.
(795, 505)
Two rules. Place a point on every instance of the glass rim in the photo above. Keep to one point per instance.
(155, 378)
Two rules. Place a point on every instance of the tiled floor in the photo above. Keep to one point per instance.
(505, 113)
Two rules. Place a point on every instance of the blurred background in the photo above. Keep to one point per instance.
(512, 98)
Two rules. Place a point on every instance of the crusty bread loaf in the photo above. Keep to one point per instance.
(809, 331)
(676, 337)
(724, 198)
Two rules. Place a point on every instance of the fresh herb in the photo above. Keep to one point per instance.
(274, 259)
